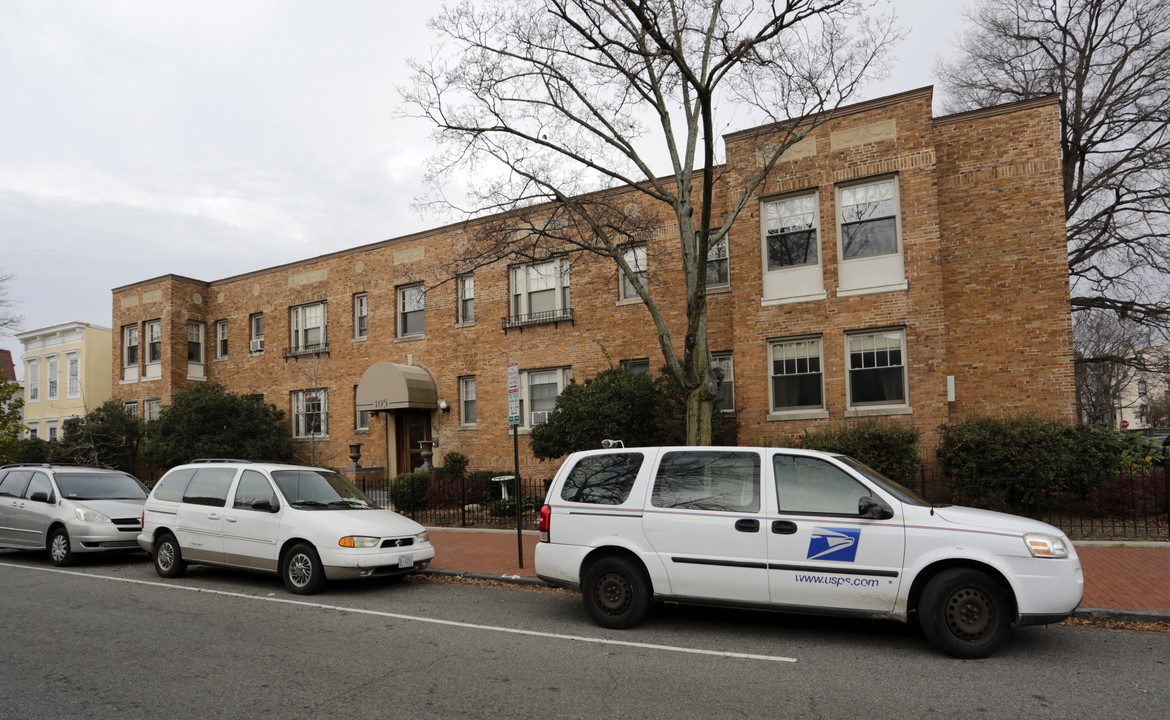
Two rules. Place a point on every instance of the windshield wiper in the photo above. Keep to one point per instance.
(311, 503)
(350, 503)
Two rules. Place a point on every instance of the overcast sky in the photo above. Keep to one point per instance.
(212, 138)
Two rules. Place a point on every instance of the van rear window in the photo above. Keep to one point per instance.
(602, 479)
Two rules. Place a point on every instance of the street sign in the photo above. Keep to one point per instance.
(1124, 424)
(513, 393)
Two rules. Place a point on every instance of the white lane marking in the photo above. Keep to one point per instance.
(416, 618)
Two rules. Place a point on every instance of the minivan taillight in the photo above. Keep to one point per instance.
(543, 523)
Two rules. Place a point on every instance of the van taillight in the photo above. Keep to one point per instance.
(543, 523)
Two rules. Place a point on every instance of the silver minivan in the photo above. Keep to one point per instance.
(67, 509)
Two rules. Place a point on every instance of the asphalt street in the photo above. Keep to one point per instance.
(110, 638)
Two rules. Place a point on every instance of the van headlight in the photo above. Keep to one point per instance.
(1042, 545)
(87, 515)
(358, 541)
(422, 537)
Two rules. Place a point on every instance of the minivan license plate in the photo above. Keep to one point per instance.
(405, 561)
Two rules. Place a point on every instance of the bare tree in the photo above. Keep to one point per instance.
(9, 319)
(559, 109)
(1109, 61)
(1111, 356)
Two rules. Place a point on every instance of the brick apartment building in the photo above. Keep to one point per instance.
(947, 298)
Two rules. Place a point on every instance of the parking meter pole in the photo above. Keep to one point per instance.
(519, 493)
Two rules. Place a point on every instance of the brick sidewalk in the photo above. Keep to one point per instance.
(1116, 578)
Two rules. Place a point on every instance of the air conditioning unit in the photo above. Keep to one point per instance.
(540, 417)
(257, 345)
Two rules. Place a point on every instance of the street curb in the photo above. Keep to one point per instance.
(509, 579)
(1088, 613)
(1085, 613)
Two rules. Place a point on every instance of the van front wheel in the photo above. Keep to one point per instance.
(301, 570)
(616, 592)
(965, 613)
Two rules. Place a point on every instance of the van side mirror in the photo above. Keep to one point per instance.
(39, 497)
(265, 505)
(868, 507)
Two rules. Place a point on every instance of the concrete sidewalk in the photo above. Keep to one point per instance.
(1123, 581)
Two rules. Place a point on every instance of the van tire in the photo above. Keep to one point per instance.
(168, 558)
(301, 570)
(965, 613)
(60, 551)
(616, 592)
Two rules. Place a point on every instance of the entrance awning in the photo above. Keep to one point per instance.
(390, 386)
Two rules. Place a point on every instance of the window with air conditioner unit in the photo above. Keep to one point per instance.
(539, 390)
(256, 322)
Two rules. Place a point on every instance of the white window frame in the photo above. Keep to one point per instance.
(791, 283)
(303, 320)
(131, 338)
(256, 333)
(151, 409)
(195, 370)
(635, 257)
(361, 316)
(1142, 387)
(855, 342)
(33, 428)
(221, 339)
(796, 356)
(412, 302)
(717, 255)
(131, 408)
(524, 280)
(301, 425)
(883, 272)
(562, 375)
(465, 307)
(153, 349)
(73, 374)
(723, 361)
(52, 377)
(361, 418)
(52, 430)
(32, 376)
(467, 402)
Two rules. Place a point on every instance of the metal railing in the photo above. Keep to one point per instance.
(545, 317)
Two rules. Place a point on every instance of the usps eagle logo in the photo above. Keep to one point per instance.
(838, 544)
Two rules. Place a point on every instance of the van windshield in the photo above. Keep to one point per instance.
(320, 489)
(894, 488)
(99, 486)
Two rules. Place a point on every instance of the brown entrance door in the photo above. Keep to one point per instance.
(413, 426)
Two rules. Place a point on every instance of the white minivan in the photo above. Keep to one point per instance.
(799, 531)
(307, 524)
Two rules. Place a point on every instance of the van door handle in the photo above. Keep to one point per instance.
(783, 527)
(213, 516)
(230, 519)
(747, 525)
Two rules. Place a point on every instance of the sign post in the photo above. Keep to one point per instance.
(514, 421)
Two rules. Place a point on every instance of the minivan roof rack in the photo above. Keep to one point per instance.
(218, 460)
(56, 464)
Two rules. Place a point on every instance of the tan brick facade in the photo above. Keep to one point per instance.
(977, 291)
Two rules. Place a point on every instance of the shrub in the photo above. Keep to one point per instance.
(483, 479)
(447, 492)
(408, 491)
(507, 508)
(1130, 495)
(890, 448)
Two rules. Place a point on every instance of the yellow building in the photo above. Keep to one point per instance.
(67, 371)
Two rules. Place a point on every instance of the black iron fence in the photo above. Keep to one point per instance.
(1130, 506)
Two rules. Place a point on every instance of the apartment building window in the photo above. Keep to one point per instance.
(130, 353)
(635, 257)
(361, 420)
(538, 393)
(877, 368)
(791, 250)
(221, 339)
(154, 349)
(869, 237)
(797, 375)
(466, 311)
(360, 315)
(52, 427)
(131, 408)
(1143, 388)
(540, 293)
(151, 410)
(718, 270)
(308, 328)
(725, 394)
(640, 366)
(1143, 414)
(412, 307)
(467, 412)
(195, 332)
(72, 375)
(32, 378)
(256, 339)
(310, 413)
(33, 429)
(52, 376)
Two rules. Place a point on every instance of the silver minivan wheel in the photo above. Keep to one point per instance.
(301, 570)
(59, 551)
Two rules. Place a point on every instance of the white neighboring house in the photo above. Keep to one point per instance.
(67, 372)
(1144, 390)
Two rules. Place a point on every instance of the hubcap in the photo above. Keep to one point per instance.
(60, 547)
(300, 569)
(166, 556)
(613, 593)
(970, 613)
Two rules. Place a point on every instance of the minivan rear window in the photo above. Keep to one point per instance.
(210, 486)
(718, 480)
(171, 487)
(602, 479)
